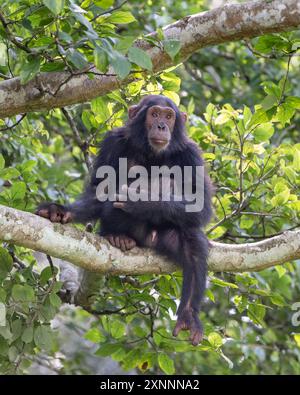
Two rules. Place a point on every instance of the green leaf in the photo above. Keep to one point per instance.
(43, 337)
(120, 64)
(6, 263)
(268, 102)
(172, 47)
(55, 6)
(45, 276)
(27, 335)
(107, 349)
(2, 162)
(18, 190)
(76, 58)
(100, 59)
(140, 58)
(166, 363)
(29, 70)
(296, 160)
(120, 17)
(55, 300)
(117, 329)
(2, 314)
(256, 313)
(23, 293)
(210, 295)
(260, 116)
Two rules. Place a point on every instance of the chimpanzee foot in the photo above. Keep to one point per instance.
(188, 320)
(121, 241)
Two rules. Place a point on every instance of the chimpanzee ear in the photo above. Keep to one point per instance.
(132, 111)
(183, 116)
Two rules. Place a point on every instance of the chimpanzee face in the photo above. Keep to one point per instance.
(160, 122)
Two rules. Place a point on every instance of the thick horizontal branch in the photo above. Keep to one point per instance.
(227, 23)
(93, 253)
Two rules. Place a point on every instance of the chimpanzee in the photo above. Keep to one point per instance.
(154, 135)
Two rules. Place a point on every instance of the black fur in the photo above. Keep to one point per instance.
(178, 233)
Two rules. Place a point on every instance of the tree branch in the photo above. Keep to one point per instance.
(227, 23)
(93, 253)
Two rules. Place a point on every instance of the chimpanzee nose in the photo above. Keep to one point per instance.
(161, 126)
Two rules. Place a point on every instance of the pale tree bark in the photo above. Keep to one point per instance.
(227, 23)
(93, 253)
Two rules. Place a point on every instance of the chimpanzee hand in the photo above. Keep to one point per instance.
(54, 212)
(129, 206)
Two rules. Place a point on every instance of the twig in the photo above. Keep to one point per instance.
(14, 125)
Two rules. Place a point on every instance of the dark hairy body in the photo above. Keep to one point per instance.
(153, 136)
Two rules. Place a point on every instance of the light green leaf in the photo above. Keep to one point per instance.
(215, 340)
(297, 339)
(100, 109)
(166, 363)
(221, 283)
(296, 161)
(55, 6)
(263, 132)
(9, 173)
(2, 162)
(94, 335)
(120, 17)
(117, 329)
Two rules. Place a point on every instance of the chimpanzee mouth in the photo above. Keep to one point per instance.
(159, 141)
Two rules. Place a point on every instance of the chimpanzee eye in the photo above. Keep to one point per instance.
(169, 116)
(154, 115)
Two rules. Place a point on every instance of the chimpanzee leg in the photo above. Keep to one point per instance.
(189, 248)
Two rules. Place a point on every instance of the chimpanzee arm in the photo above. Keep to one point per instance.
(87, 207)
(173, 211)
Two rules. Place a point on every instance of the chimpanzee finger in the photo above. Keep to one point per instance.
(67, 217)
(54, 214)
(119, 205)
(122, 244)
(180, 325)
(43, 213)
(111, 239)
(117, 241)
